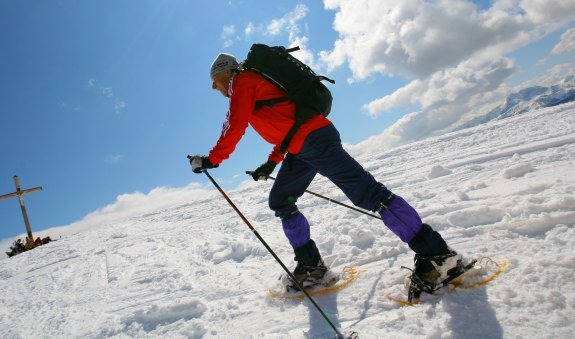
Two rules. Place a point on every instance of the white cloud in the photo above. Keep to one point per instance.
(228, 33)
(550, 13)
(552, 76)
(66, 106)
(250, 29)
(288, 22)
(452, 86)
(541, 62)
(304, 54)
(567, 42)
(107, 91)
(113, 159)
(416, 38)
(127, 206)
(435, 120)
(119, 105)
(405, 96)
(131, 205)
(453, 54)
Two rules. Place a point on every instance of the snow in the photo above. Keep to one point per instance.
(438, 171)
(193, 269)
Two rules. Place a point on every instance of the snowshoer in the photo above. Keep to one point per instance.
(315, 148)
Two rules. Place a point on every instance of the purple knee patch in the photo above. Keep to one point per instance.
(402, 219)
(296, 230)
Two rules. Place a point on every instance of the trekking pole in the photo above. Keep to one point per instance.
(292, 277)
(331, 200)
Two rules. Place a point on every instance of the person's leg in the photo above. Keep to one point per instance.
(323, 152)
(292, 180)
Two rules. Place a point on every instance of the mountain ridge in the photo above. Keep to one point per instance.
(529, 99)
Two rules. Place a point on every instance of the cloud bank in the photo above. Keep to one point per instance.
(127, 206)
(416, 38)
(454, 55)
(567, 42)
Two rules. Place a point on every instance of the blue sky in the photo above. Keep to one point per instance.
(104, 98)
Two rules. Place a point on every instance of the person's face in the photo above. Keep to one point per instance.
(221, 82)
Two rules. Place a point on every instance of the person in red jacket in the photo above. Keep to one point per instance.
(315, 148)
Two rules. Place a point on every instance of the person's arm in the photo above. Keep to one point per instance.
(242, 101)
(275, 155)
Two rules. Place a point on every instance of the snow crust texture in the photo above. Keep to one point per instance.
(504, 190)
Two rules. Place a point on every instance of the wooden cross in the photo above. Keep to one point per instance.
(19, 193)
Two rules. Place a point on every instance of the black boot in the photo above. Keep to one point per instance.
(428, 242)
(434, 261)
(310, 267)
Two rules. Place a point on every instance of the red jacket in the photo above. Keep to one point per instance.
(271, 123)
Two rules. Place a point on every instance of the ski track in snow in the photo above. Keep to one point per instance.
(503, 190)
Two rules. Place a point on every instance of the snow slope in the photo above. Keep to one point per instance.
(503, 189)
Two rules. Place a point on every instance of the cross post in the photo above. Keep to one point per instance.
(19, 193)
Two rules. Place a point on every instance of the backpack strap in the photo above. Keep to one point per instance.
(258, 54)
(293, 49)
(270, 102)
(322, 78)
(287, 139)
(285, 143)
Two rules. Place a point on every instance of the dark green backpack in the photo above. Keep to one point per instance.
(296, 79)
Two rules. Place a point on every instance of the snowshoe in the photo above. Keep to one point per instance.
(433, 272)
(310, 269)
(308, 276)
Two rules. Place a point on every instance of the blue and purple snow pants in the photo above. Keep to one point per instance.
(322, 153)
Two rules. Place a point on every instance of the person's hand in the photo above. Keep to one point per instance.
(263, 172)
(200, 163)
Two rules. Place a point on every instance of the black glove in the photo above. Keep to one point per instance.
(262, 172)
(200, 163)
